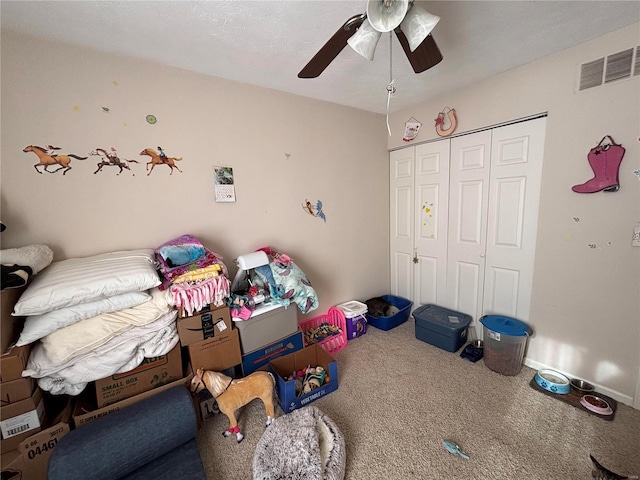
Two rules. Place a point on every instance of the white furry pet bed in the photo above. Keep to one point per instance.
(305, 444)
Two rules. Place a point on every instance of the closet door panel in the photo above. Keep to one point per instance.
(401, 217)
(468, 200)
(516, 170)
(467, 284)
(432, 202)
(403, 263)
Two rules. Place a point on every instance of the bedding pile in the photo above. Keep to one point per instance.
(92, 317)
(194, 275)
(287, 282)
(19, 264)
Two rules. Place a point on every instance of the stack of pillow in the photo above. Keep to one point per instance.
(92, 317)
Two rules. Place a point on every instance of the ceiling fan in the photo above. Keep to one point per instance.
(411, 24)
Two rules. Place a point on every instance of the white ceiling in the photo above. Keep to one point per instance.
(267, 43)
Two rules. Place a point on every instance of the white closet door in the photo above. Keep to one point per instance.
(401, 192)
(431, 203)
(468, 212)
(516, 171)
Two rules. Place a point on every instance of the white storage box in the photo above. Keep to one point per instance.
(268, 323)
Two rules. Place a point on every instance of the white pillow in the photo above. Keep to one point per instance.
(38, 326)
(80, 280)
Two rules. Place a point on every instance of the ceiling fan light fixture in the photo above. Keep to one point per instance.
(365, 40)
(417, 26)
(386, 15)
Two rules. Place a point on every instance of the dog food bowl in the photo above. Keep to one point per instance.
(596, 404)
(553, 381)
(581, 386)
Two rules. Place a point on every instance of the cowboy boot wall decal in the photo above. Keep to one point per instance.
(604, 159)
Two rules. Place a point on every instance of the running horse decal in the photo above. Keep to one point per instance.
(112, 160)
(156, 159)
(47, 159)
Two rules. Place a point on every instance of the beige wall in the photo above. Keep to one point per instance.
(337, 155)
(585, 307)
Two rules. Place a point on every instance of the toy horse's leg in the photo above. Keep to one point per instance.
(233, 427)
(268, 406)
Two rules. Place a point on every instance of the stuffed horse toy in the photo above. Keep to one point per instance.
(233, 394)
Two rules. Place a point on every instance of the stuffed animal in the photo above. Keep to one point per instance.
(233, 394)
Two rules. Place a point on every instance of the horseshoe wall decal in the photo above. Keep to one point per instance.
(453, 120)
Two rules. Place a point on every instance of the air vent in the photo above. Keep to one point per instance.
(591, 74)
(609, 69)
(619, 66)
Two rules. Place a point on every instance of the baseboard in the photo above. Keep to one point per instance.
(617, 396)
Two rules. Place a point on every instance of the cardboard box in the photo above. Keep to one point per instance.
(13, 362)
(217, 353)
(16, 390)
(12, 464)
(36, 449)
(204, 325)
(152, 373)
(283, 367)
(182, 313)
(19, 420)
(208, 405)
(289, 344)
(10, 326)
(86, 410)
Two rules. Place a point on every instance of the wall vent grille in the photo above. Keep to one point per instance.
(616, 66)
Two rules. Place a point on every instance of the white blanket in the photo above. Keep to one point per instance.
(120, 354)
(69, 342)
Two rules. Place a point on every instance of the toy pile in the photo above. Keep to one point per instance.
(319, 333)
(307, 379)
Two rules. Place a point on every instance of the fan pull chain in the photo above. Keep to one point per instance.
(391, 89)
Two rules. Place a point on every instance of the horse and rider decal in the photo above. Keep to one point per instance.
(160, 159)
(49, 156)
(111, 159)
(47, 159)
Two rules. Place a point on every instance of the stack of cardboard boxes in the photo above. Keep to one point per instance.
(31, 421)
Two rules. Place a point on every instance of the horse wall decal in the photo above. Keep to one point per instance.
(112, 160)
(46, 159)
(156, 159)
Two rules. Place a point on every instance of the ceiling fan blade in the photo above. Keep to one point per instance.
(425, 56)
(332, 48)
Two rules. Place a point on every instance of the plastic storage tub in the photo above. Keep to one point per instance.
(402, 315)
(505, 339)
(355, 314)
(333, 343)
(441, 327)
(268, 323)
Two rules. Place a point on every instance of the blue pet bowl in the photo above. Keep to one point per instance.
(553, 381)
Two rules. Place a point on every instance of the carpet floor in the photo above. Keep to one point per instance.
(399, 398)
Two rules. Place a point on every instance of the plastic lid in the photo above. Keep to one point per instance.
(353, 308)
(505, 325)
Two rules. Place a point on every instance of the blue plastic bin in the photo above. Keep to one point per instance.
(441, 327)
(387, 323)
